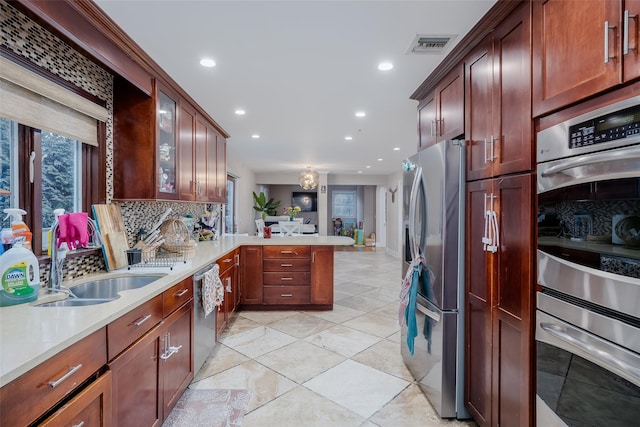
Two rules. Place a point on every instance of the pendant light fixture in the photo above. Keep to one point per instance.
(308, 179)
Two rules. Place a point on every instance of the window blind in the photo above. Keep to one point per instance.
(32, 100)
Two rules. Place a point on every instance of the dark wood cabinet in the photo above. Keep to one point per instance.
(228, 265)
(136, 386)
(164, 149)
(569, 44)
(322, 275)
(499, 302)
(154, 370)
(287, 277)
(176, 361)
(441, 113)
(90, 407)
(498, 125)
(251, 270)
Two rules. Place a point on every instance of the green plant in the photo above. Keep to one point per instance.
(264, 206)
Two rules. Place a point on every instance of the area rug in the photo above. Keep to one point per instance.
(209, 408)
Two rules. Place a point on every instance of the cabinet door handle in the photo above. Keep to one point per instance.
(492, 141)
(433, 127)
(182, 292)
(286, 252)
(440, 126)
(56, 383)
(142, 320)
(286, 295)
(227, 260)
(286, 265)
(607, 28)
(625, 41)
(80, 424)
(284, 279)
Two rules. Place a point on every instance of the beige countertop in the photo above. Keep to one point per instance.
(30, 335)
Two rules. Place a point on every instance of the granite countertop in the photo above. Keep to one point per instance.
(30, 335)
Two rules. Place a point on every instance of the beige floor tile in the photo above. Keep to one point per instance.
(354, 288)
(343, 340)
(357, 387)
(391, 310)
(385, 356)
(238, 324)
(397, 337)
(373, 324)
(301, 325)
(300, 361)
(302, 408)
(265, 384)
(257, 341)
(339, 295)
(339, 314)
(411, 408)
(362, 303)
(220, 359)
(266, 317)
(383, 294)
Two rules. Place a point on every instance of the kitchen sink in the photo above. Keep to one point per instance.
(100, 291)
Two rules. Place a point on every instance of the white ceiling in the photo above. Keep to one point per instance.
(301, 69)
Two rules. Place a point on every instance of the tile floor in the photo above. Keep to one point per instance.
(337, 368)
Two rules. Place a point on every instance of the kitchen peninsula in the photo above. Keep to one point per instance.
(32, 337)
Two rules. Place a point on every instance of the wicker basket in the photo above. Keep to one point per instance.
(177, 238)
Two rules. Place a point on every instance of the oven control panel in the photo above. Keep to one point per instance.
(609, 127)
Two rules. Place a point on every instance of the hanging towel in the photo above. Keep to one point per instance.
(406, 286)
(212, 290)
(410, 310)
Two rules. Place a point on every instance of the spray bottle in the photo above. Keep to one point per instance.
(21, 233)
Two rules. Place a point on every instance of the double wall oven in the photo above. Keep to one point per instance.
(588, 299)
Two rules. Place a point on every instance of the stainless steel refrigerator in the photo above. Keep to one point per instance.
(433, 219)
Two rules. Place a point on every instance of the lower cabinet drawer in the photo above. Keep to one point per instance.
(294, 264)
(29, 396)
(125, 330)
(287, 278)
(286, 295)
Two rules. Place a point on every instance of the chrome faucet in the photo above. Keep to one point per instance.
(58, 256)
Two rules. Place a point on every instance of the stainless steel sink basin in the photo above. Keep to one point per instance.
(110, 287)
(104, 290)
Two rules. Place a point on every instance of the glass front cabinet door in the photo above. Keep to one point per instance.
(167, 162)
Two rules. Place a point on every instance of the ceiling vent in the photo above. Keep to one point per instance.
(426, 44)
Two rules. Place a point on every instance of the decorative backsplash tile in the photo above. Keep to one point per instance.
(601, 212)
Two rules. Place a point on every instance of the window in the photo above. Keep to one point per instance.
(230, 225)
(344, 204)
(44, 171)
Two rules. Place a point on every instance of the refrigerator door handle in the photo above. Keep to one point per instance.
(413, 200)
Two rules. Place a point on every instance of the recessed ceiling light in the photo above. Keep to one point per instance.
(240, 112)
(348, 138)
(255, 136)
(396, 148)
(360, 114)
(385, 66)
(368, 166)
(207, 62)
(359, 171)
(379, 160)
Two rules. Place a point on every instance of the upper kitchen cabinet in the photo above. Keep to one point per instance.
(164, 148)
(441, 113)
(498, 126)
(581, 49)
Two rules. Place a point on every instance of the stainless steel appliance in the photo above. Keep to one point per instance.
(433, 206)
(588, 305)
(204, 328)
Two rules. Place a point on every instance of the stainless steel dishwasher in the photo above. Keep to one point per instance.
(204, 328)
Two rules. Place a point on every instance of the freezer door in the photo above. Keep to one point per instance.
(433, 363)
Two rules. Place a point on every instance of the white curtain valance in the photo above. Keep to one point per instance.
(32, 100)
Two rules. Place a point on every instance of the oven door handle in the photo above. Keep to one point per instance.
(591, 346)
(604, 157)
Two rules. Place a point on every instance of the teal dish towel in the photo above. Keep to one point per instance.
(410, 311)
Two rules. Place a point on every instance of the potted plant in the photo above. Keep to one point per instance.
(264, 206)
(292, 211)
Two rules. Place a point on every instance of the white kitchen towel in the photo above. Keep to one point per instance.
(212, 290)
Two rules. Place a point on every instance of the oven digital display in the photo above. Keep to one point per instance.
(610, 127)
